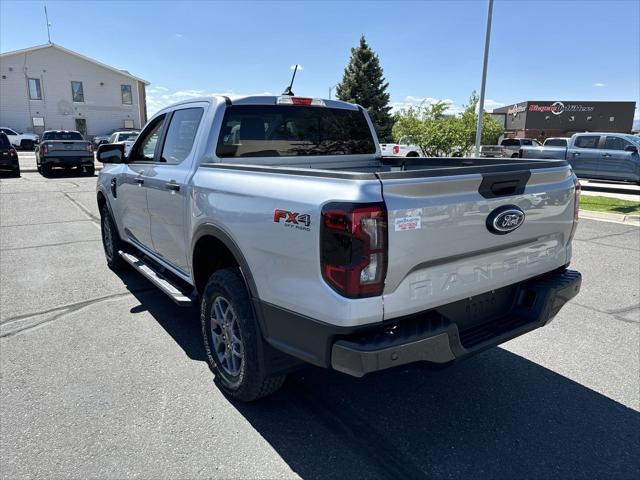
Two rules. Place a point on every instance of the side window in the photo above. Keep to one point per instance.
(526, 142)
(145, 147)
(112, 139)
(180, 135)
(587, 141)
(615, 143)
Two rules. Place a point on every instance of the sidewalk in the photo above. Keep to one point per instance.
(610, 217)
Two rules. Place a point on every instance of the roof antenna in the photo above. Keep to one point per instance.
(46, 16)
(287, 91)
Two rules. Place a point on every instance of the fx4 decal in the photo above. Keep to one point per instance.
(293, 219)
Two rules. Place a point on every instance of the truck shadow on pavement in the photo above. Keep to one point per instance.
(497, 415)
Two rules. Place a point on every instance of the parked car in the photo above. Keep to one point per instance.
(64, 149)
(606, 156)
(25, 141)
(406, 147)
(102, 139)
(126, 137)
(509, 147)
(303, 244)
(8, 157)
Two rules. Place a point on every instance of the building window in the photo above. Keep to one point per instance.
(35, 90)
(572, 118)
(127, 97)
(589, 118)
(77, 92)
(37, 121)
(128, 123)
(612, 119)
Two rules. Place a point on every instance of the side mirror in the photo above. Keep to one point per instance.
(631, 148)
(111, 153)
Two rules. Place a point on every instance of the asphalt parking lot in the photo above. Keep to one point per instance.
(102, 376)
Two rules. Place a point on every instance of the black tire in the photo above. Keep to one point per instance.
(111, 241)
(90, 170)
(251, 381)
(45, 169)
(16, 172)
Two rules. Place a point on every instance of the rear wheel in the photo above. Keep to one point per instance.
(90, 170)
(111, 241)
(232, 339)
(15, 172)
(45, 169)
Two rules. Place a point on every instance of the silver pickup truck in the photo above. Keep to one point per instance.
(303, 244)
(606, 156)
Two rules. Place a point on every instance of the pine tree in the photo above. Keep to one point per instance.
(363, 83)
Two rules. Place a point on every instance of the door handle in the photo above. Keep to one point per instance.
(606, 155)
(139, 181)
(172, 186)
(576, 154)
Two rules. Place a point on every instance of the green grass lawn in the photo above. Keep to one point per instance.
(607, 204)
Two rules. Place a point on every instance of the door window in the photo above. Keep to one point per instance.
(145, 148)
(615, 143)
(180, 135)
(587, 141)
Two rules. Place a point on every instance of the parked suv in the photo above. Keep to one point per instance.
(8, 157)
(509, 147)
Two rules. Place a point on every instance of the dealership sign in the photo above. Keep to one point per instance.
(516, 109)
(558, 108)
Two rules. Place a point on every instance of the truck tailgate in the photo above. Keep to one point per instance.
(67, 146)
(441, 249)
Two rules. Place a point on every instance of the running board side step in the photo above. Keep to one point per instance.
(158, 280)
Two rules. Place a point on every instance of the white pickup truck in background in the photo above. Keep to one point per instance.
(24, 141)
(406, 147)
(508, 148)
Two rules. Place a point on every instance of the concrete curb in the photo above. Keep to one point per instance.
(610, 217)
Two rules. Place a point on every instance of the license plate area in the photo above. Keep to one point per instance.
(481, 308)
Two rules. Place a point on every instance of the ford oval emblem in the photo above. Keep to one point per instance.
(505, 219)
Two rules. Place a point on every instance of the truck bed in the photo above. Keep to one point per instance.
(394, 167)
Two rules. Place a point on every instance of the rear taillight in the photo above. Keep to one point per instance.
(576, 208)
(353, 251)
(396, 149)
(45, 149)
(89, 147)
(13, 153)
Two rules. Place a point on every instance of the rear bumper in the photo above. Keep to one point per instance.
(440, 336)
(68, 161)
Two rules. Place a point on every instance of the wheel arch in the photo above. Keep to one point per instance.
(210, 238)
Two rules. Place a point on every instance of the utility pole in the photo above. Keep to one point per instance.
(487, 37)
(46, 16)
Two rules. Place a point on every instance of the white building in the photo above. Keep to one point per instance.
(49, 87)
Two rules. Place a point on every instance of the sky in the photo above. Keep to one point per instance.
(429, 50)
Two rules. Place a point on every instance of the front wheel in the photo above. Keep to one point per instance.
(232, 339)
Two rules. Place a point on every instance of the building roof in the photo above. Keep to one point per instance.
(76, 54)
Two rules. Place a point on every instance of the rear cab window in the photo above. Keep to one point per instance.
(587, 141)
(63, 136)
(555, 142)
(293, 130)
(4, 141)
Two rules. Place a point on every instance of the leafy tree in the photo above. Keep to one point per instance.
(363, 83)
(439, 134)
